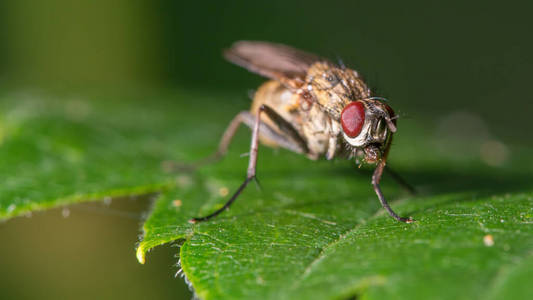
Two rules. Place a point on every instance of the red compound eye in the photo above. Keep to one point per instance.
(352, 118)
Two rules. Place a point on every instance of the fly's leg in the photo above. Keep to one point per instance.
(400, 180)
(376, 177)
(290, 140)
(250, 174)
(287, 139)
(242, 117)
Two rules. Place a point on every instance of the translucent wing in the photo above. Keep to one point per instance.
(271, 60)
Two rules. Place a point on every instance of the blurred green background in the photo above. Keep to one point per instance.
(467, 64)
(427, 56)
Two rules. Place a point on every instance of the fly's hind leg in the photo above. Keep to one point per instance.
(242, 117)
(289, 139)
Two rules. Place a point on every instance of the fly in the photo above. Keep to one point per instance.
(313, 107)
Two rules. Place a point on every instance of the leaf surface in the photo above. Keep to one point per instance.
(310, 230)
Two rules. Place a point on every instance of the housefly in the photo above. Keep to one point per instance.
(313, 107)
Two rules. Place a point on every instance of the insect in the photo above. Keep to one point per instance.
(313, 107)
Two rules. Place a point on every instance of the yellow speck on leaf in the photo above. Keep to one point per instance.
(223, 191)
(488, 240)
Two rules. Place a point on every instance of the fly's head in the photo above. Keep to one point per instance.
(368, 125)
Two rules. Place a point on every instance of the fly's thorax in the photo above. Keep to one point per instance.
(334, 87)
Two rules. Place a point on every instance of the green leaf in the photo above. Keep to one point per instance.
(274, 245)
(314, 230)
(67, 149)
(60, 152)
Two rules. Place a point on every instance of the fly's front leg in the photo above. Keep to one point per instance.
(376, 177)
(250, 174)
